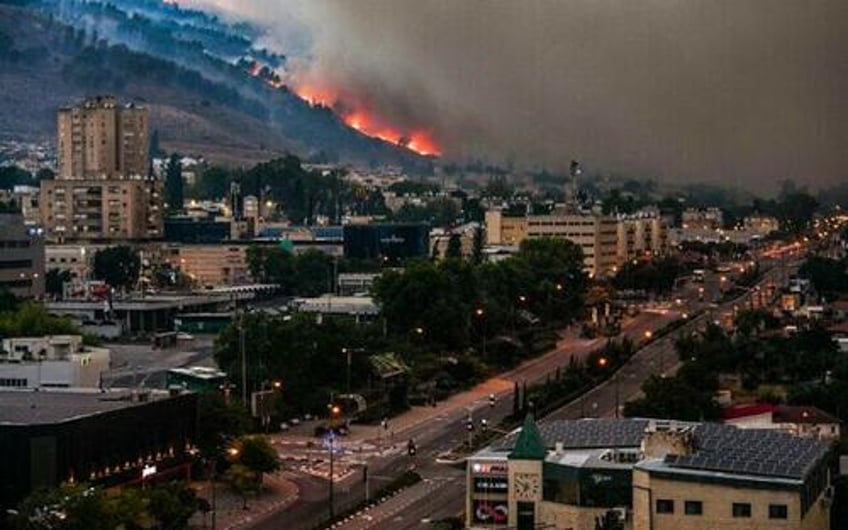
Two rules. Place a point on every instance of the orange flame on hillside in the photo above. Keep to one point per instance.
(370, 124)
(364, 121)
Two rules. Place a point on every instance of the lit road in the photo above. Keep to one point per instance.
(656, 358)
(443, 429)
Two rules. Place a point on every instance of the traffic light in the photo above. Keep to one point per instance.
(484, 424)
(469, 424)
(410, 447)
(365, 474)
(491, 400)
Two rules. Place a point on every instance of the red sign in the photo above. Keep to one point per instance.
(491, 512)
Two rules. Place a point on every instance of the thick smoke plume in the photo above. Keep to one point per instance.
(747, 92)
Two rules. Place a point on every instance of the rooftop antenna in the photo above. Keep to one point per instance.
(574, 171)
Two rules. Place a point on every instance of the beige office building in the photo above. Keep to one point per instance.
(102, 139)
(597, 235)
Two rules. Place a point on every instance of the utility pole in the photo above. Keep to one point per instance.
(331, 440)
(243, 361)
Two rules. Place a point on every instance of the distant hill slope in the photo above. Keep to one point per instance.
(45, 64)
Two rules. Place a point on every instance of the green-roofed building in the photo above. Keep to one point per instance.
(529, 445)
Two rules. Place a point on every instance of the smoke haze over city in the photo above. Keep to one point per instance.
(744, 92)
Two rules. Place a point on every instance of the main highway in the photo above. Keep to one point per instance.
(442, 492)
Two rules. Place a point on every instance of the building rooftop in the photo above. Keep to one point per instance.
(585, 434)
(30, 407)
(529, 444)
(765, 453)
(719, 448)
(780, 413)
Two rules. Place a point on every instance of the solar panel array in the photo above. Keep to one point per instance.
(719, 448)
(723, 448)
(586, 434)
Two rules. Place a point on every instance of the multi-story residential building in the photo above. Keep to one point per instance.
(103, 191)
(640, 234)
(53, 361)
(102, 139)
(650, 475)
(21, 257)
(101, 210)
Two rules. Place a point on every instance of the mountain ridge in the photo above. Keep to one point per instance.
(46, 63)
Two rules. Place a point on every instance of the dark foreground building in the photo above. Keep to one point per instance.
(112, 438)
(390, 242)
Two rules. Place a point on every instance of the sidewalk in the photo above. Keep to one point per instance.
(277, 493)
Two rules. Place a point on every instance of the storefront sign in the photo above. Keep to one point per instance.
(489, 468)
(491, 484)
(488, 512)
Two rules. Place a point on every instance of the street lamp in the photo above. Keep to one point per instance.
(335, 410)
(603, 362)
(481, 314)
(349, 352)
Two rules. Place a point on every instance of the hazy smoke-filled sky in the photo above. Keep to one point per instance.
(736, 91)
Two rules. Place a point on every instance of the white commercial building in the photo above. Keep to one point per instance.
(57, 361)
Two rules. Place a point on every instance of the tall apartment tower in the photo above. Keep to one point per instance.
(101, 139)
(103, 191)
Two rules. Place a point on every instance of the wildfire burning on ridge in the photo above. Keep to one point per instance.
(369, 123)
(363, 120)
